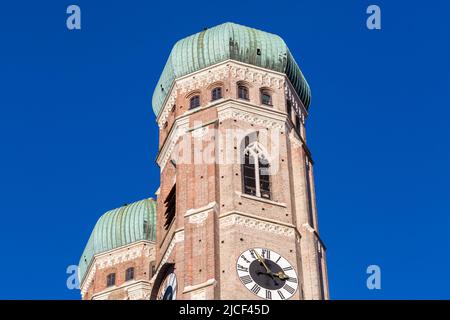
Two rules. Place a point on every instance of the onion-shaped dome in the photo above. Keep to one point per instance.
(119, 227)
(229, 41)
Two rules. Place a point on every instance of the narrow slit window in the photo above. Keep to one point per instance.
(297, 123)
(289, 109)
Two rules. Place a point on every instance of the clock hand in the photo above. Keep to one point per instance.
(281, 275)
(260, 259)
(270, 274)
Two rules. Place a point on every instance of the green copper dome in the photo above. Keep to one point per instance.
(229, 41)
(119, 227)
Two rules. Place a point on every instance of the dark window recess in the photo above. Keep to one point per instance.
(146, 228)
(266, 98)
(152, 269)
(255, 169)
(110, 279)
(264, 181)
(297, 122)
(320, 257)
(129, 274)
(309, 195)
(216, 93)
(247, 141)
(194, 102)
(249, 176)
(258, 51)
(243, 92)
(289, 108)
(170, 204)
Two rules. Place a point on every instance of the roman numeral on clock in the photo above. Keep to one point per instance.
(281, 295)
(255, 289)
(266, 254)
(292, 279)
(242, 268)
(289, 289)
(246, 279)
(245, 258)
(287, 268)
(268, 294)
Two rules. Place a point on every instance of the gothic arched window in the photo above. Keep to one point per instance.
(194, 102)
(216, 93)
(255, 169)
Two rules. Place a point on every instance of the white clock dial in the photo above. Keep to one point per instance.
(168, 288)
(267, 274)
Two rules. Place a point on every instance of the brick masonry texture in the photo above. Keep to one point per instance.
(215, 222)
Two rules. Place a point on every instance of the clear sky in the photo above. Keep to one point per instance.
(78, 135)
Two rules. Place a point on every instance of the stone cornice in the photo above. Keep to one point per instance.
(243, 111)
(116, 256)
(199, 215)
(136, 290)
(258, 223)
(207, 283)
(292, 96)
(227, 109)
(313, 231)
(239, 71)
(179, 128)
(178, 236)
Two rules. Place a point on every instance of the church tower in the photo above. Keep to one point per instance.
(236, 213)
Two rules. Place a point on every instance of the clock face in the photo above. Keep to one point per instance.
(168, 288)
(267, 274)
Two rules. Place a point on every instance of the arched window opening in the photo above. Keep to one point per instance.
(129, 274)
(243, 92)
(110, 279)
(256, 181)
(216, 93)
(194, 102)
(266, 97)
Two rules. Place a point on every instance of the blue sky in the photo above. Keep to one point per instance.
(78, 135)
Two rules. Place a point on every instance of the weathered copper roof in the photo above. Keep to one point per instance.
(229, 41)
(119, 227)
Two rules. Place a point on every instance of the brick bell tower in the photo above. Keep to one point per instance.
(236, 208)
